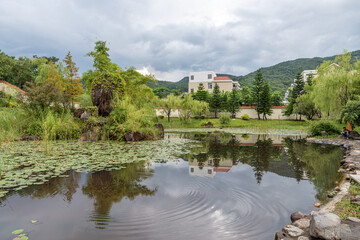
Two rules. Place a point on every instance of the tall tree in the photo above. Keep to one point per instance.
(256, 90)
(73, 87)
(265, 101)
(234, 102)
(277, 98)
(201, 94)
(215, 101)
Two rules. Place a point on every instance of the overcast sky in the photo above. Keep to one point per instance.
(171, 38)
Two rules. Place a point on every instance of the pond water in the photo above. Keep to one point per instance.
(224, 187)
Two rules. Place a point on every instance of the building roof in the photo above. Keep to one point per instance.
(222, 78)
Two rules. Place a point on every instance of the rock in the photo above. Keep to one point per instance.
(317, 205)
(137, 136)
(331, 194)
(337, 189)
(323, 133)
(128, 137)
(303, 223)
(325, 226)
(209, 125)
(354, 134)
(90, 137)
(101, 96)
(281, 236)
(160, 129)
(78, 112)
(350, 228)
(30, 138)
(296, 216)
(84, 117)
(303, 238)
(292, 231)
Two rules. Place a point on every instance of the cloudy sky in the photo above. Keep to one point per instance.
(171, 38)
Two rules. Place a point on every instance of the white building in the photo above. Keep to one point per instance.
(209, 79)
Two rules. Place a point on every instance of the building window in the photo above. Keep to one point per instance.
(234, 86)
(209, 171)
(209, 76)
(210, 162)
(192, 169)
(192, 77)
(192, 90)
(209, 85)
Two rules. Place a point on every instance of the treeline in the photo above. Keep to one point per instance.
(334, 94)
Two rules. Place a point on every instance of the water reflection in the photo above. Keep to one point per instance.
(287, 156)
(107, 187)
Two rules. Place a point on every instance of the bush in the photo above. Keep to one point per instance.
(202, 116)
(196, 117)
(204, 123)
(245, 117)
(317, 127)
(161, 116)
(224, 118)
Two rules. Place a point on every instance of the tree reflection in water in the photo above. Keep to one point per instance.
(107, 187)
(295, 159)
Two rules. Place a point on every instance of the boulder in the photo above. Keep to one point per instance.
(292, 231)
(303, 238)
(101, 97)
(160, 129)
(303, 223)
(325, 226)
(296, 216)
(350, 229)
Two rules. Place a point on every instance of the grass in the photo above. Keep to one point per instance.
(237, 123)
(346, 208)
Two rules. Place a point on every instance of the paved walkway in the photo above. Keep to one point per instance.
(351, 161)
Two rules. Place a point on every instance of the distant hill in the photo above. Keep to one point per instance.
(280, 76)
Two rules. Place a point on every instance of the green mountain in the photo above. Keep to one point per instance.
(279, 76)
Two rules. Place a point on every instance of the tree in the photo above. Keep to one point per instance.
(201, 94)
(168, 104)
(265, 106)
(215, 101)
(72, 84)
(337, 83)
(190, 106)
(161, 92)
(351, 113)
(298, 88)
(276, 98)
(234, 102)
(305, 106)
(105, 81)
(256, 90)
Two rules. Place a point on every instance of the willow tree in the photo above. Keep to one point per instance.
(336, 84)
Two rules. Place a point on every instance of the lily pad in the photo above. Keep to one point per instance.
(17, 231)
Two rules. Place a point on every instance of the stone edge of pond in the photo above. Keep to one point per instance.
(322, 223)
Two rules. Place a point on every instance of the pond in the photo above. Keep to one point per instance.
(187, 186)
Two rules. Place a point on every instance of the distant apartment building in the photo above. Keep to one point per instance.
(209, 79)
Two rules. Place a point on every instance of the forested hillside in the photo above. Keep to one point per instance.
(280, 76)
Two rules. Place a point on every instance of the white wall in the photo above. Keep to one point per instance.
(202, 76)
(277, 113)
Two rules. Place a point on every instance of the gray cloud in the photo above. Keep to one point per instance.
(171, 38)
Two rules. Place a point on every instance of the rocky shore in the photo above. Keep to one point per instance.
(323, 224)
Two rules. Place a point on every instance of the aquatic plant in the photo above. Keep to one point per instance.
(25, 164)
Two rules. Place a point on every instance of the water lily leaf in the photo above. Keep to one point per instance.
(17, 231)
(33, 221)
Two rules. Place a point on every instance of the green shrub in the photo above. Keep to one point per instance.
(85, 100)
(317, 127)
(196, 117)
(245, 117)
(161, 116)
(202, 116)
(224, 118)
(203, 123)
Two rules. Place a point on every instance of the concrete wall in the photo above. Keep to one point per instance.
(224, 85)
(9, 88)
(277, 113)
